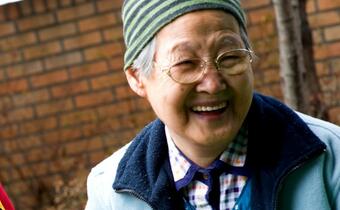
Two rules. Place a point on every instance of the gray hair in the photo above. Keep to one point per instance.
(144, 62)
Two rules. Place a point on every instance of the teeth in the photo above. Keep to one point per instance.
(209, 108)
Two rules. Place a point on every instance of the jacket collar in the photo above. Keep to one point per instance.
(145, 169)
(279, 141)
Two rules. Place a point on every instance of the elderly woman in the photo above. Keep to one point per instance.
(216, 144)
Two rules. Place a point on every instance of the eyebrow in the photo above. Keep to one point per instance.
(182, 46)
(230, 40)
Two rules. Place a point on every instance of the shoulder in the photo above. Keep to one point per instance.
(327, 132)
(329, 162)
(110, 164)
(105, 171)
(100, 180)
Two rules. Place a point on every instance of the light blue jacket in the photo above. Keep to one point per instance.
(316, 185)
(306, 176)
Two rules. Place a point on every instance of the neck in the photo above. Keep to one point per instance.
(202, 155)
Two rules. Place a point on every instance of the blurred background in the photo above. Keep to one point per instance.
(65, 104)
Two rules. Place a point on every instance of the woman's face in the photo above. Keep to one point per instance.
(207, 113)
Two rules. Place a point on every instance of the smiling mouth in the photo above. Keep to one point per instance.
(211, 109)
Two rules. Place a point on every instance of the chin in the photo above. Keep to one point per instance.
(217, 138)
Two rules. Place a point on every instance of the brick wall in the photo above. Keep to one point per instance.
(64, 101)
(324, 19)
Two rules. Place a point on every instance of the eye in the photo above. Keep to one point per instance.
(187, 64)
(230, 59)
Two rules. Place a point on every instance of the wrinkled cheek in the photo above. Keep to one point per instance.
(157, 105)
(251, 78)
(181, 115)
(246, 84)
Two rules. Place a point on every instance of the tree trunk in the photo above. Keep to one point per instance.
(301, 88)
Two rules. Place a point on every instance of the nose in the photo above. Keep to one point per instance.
(212, 81)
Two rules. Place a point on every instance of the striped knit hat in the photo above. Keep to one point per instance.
(142, 19)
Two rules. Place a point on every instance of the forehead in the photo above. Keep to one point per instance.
(199, 29)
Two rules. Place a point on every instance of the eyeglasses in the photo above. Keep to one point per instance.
(187, 71)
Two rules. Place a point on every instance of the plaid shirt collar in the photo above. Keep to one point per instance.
(234, 155)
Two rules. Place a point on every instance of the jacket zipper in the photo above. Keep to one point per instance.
(136, 195)
(288, 173)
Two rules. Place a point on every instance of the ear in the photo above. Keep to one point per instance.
(135, 81)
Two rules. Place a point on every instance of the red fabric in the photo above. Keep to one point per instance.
(5, 201)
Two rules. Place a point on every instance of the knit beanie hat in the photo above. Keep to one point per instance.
(142, 19)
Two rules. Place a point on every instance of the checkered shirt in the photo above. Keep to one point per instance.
(230, 185)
